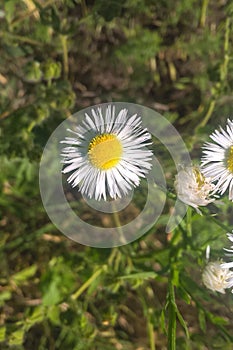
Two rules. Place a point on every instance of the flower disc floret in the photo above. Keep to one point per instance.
(105, 151)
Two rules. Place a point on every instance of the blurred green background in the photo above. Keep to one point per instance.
(56, 58)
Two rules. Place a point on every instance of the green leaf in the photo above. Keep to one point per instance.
(202, 320)
(4, 295)
(217, 320)
(162, 321)
(53, 313)
(57, 282)
(51, 70)
(33, 72)
(110, 9)
(142, 45)
(183, 295)
(182, 322)
(24, 274)
(43, 33)
(9, 6)
(52, 295)
(37, 316)
(16, 338)
(2, 333)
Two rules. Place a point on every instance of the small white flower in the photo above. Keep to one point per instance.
(217, 278)
(108, 154)
(217, 160)
(229, 252)
(193, 188)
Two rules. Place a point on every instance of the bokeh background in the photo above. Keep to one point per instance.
(56, 58)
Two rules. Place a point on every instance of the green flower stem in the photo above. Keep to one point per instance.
(172, 317)
(189, 222)
(98, 272)
(208, 114)
(65, 56)
(223, 76)
(204, 7)
(21, 38)
(224, 66)
(112, 256)
(84, 8)
(150, 328)
(118, 224)
(148, 314)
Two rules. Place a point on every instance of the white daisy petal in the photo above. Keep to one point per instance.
(227, 266)
(230, 236)
(217, 160)
(231, 190)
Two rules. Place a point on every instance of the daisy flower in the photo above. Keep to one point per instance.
(193, 188)
(217, 160)
(108, 154)
(217, 278)
(229, 252)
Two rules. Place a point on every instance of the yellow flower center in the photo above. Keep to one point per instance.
(199, 178)
(230, 159)
(105, 151)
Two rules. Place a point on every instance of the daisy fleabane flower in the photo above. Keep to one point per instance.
(217, 160)
(229, 252)
(217, 278)
(193, 188)
(108, 154)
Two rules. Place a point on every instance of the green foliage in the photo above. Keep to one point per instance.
(108, 10)
(140, 47)
(57, 57)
